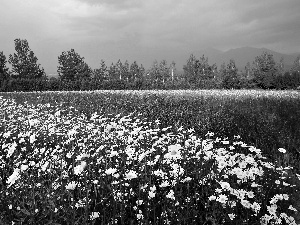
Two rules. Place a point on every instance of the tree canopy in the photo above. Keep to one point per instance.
(24, 62)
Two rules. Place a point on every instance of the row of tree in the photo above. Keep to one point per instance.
(75, 74)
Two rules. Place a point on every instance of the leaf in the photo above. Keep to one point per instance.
(25, 212)
(51, 203)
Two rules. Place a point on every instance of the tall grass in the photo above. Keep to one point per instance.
(266, 119)
(75, 157)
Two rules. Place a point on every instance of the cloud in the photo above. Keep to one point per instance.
(144, 30)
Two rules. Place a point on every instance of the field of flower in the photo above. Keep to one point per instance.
(150, 157)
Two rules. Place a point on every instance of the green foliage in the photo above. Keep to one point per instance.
(296, 65)
(230, 76)
(65, 131)
(265, 71)
(72, 67)
(25, 85)
(101, 73)
(24, 62)
(197, 70)
(4, 73)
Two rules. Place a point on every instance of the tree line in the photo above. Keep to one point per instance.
(75, 74)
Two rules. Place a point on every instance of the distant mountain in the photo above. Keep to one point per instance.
(242, 56)
(296, 54)
(211, 53)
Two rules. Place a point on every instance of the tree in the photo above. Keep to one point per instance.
(248, 70)
(72, 67)
(141, 72)
(231, 79)
(172, 69)
(190, 72)
(204, 70)
(125, 71)
(119, 66)
(198, 71)
(164, 71)
(112, 72)
(24, 62)
(154, 73)
(296, 65)
(265, 71)
(134, 71)
(4, 74)
(101, 74)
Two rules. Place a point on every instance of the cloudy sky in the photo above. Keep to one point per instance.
(145, 30)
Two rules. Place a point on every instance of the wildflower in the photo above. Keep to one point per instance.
(186, 179)
(12, 147)
(292, 208)
(164, 184)
(272, 209)
(130, 151)
(218, 190)
(210, 134)
(79, 169)
(285, 184)
(15, 176)
(231, 216)
(152, 192)
(159, 173)
(254, 184)
(130, 175)
(285, 197)
(10, 206)
(170, 195)
(36, 210)
(111, 171)
(140, 216)
(265, 219)
(173, 152)
(245, 203)
(113, 153)
(80, 203)
(225, 185)
(44, 167)
(139, 202)
(250, 194)
(255, 207)
(32, 138)
(232, 204)
(95, 182)
(24, 167)
(288, 219)
(222, 199)
(71, 186)
(282, 150)
(7, 134)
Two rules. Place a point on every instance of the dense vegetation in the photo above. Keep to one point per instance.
(180, 157)
(267, 119)
(75, 74)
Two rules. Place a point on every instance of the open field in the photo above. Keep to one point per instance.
(149, 157)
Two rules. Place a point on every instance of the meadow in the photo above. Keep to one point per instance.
(150, 157)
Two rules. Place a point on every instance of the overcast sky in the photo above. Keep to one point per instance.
(145, 30)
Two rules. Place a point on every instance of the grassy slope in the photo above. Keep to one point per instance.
(268, 122)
